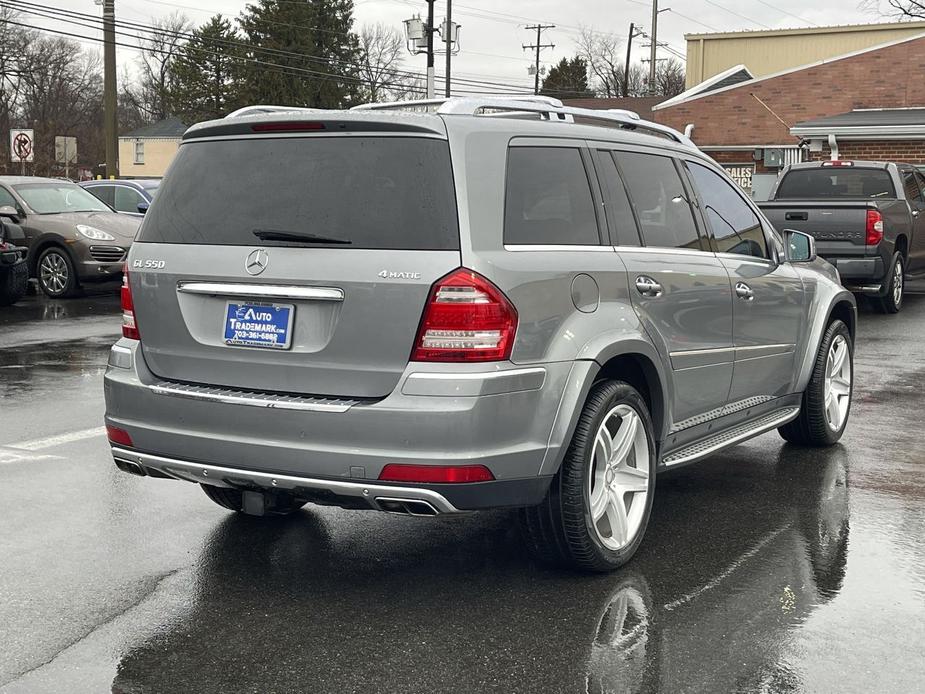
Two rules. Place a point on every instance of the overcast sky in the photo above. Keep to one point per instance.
(493, 32)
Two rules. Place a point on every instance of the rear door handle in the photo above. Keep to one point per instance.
(744, 292)
(647, 286)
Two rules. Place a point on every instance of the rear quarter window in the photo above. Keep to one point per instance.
(377, 192)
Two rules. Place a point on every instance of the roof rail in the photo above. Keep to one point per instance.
(437, 103)
(266, 108)
(470, 106)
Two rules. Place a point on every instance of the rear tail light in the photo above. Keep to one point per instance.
(874, 227)
(435, 473)
(466, 319)
(117, 435)
(129, 326)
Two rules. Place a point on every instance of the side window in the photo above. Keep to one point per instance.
(921, 179)
(104, 193)
(127, 199)
(548, 198)
(911, 186)
(735, 226)
(6, 198)
(619, 213)
(660, 201)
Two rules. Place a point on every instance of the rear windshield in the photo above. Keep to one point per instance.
(375, 192)
(842, 182)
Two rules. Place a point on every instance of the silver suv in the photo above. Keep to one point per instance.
(432, 308)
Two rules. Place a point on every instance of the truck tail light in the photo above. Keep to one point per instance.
(436, 474)
(129, 326)
(874, 227)
(466, 319)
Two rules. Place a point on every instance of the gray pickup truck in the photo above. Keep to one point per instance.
(868, 219)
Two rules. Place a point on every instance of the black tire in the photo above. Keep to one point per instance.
(61, 260)
(14, 281)
(279, 503)
(559, 530)
(892, 300)
(811, 428)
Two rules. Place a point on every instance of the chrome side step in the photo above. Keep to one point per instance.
(728, 438)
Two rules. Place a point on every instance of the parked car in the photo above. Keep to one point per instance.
(14, 274)
(72, 236)
(129, 196)
(868, 219)
(431, 314)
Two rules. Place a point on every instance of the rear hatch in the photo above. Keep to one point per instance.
(297, 262)
(826, 221)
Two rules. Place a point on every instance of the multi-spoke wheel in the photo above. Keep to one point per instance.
(892, 299)
(56, 273)
(827, 399)
(597, 508)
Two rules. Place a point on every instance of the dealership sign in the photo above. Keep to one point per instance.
(741, 174)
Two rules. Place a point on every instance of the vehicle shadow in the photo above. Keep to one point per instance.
(740, 550)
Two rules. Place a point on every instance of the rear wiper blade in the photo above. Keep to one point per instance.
(295, 237)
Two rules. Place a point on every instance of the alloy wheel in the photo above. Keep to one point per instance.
(53, 273)
(837, 383)
(898, 282)
(619, 479)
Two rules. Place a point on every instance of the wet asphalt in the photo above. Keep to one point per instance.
(767, 568)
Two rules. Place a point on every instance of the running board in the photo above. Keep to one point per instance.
(738, 434)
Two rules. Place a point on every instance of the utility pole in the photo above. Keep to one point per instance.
(539, 45)
(629, 51)
(110, 122)
(449, 42)
(430, 48)
(653, 47)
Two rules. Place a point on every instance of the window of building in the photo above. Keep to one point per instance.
(139, 151)
(736, 228)
(661, 204)
(548, 199)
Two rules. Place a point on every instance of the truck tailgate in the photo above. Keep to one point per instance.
(826, 221)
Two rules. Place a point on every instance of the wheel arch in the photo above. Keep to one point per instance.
(901, 245)
(842, 306)
(41, 244)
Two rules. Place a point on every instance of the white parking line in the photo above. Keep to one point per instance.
(9, 456)
(59, 439)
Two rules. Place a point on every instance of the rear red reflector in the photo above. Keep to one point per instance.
(435, 473)
(129, 326)
(117, 435)
(466, 319)
(287, 127)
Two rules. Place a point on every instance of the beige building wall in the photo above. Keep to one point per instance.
(768, 52)
(157, 155)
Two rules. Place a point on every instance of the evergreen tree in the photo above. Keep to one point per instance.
(209, 73)
(568, 80)
(323, 74)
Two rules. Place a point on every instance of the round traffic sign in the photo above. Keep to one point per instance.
(22, 146)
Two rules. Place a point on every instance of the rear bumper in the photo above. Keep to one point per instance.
(855, 269)
(502, 419)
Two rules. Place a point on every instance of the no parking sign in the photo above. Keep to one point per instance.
(21, 145)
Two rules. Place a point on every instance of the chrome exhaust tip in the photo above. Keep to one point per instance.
(406, 507)
(130, 467)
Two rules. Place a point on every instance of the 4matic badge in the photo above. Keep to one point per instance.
(389, 275)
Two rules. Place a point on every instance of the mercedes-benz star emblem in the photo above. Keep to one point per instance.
(256, 261)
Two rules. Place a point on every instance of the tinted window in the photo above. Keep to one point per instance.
(6, 198)
(376, 192)
(836, 182)
(911, 186)
(619, 212)
(736, 228)
(660, 201)
(104, 193)
(548, 198)
(127, 199)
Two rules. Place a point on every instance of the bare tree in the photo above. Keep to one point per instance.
(669, 77)
(381, 49)
(900, 9)
(602, 54)
(150, 94)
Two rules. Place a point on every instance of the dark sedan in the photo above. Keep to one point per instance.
(132, 196)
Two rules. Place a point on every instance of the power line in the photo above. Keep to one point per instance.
(737, 14)
(539, 46)
(789, 14)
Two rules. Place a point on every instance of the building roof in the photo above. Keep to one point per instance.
(728, 78)
(803, 31)
(863, 123)
(168, 128)
(642, 105)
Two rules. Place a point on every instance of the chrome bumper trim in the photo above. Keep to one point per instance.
(262, 291)
(238, 397)
(202, 473)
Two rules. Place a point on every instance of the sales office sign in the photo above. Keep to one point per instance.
(741, 174)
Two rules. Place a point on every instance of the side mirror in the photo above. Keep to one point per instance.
(9, 211)
(143, 207)
(799, 247)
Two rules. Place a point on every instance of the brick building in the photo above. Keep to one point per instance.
(872, 101)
